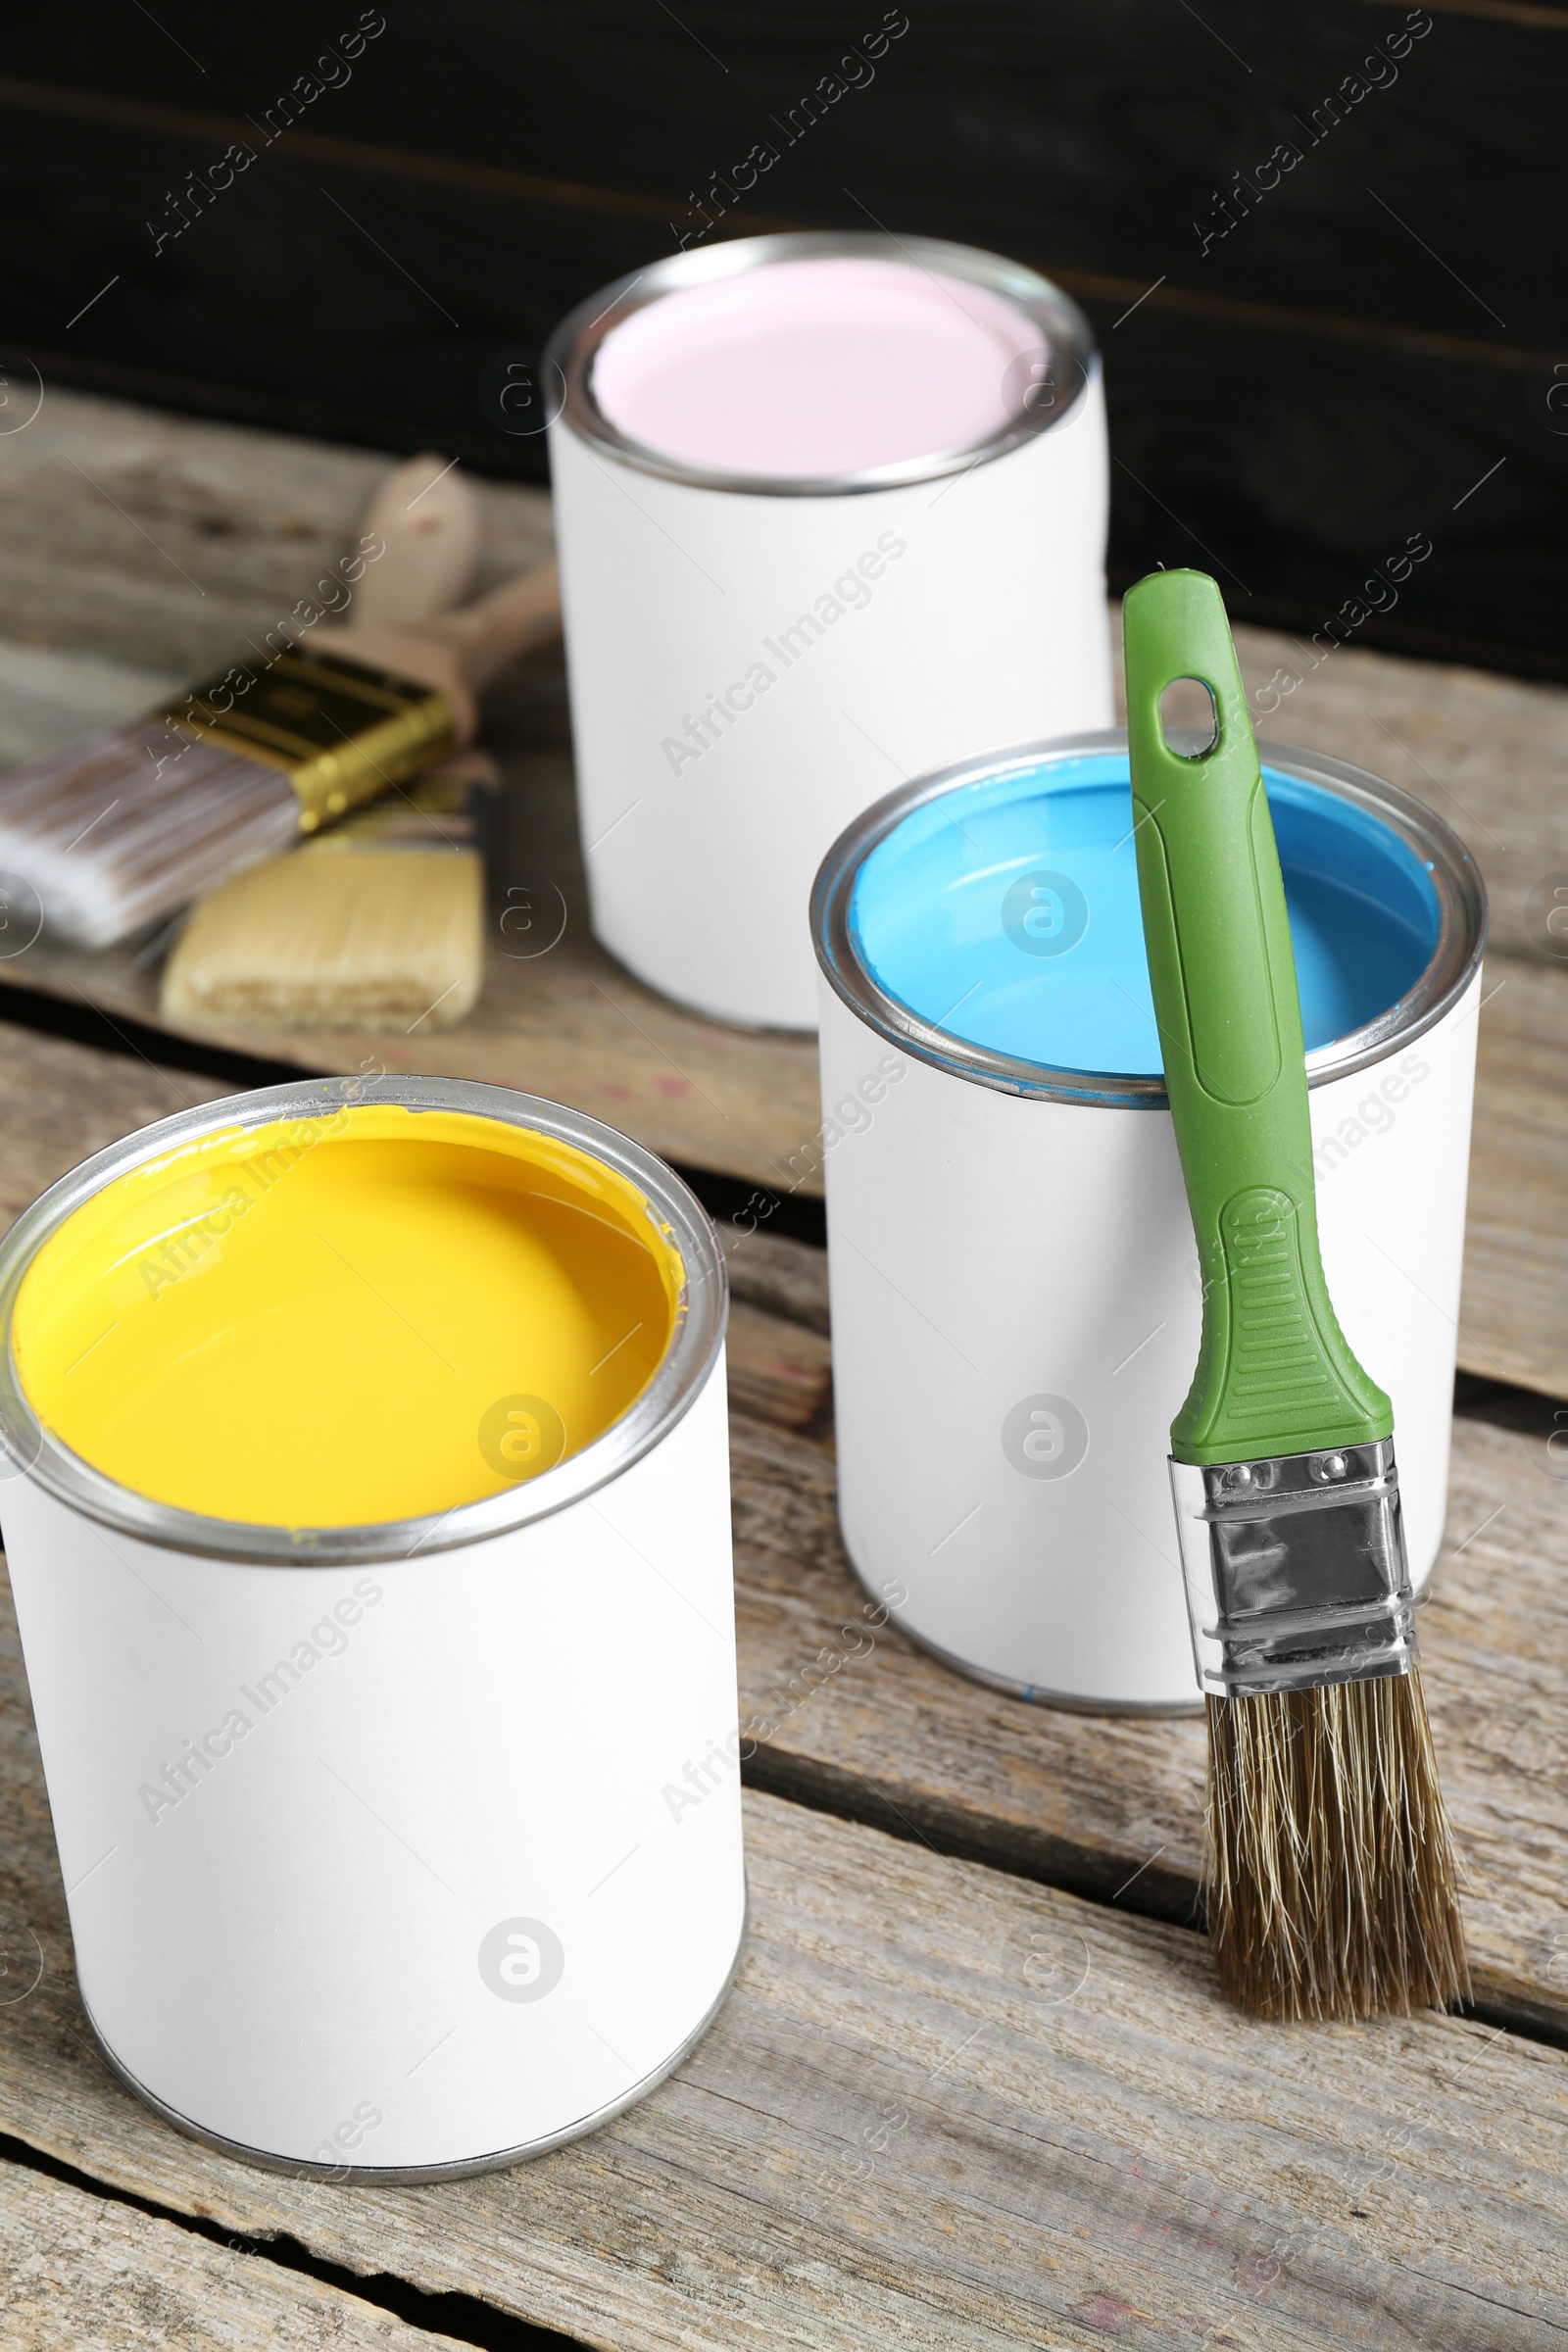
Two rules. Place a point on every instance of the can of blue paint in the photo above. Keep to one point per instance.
(1016, 1294)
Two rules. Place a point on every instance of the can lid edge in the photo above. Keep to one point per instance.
(1453, 967)
(28, 1450)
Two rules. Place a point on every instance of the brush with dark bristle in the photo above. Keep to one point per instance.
(135, 820)
(1332, 1881)
(1325, 1807)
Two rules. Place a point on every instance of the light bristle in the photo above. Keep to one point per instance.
(109, 840)
(366, 939)
(1332, 1881)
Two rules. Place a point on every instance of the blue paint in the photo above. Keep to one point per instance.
(1006, 913)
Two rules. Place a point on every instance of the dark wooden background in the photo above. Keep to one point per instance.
(1370, 344)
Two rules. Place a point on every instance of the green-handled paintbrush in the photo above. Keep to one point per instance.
(1330, 1872)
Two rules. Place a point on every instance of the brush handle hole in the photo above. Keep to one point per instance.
(1188, 718)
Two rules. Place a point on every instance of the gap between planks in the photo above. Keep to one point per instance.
(942, 2110)
(1109, 1806)
(789, 2127)
(1112, 1806)
(81, 2269)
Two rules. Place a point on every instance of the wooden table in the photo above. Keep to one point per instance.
(974, 2087)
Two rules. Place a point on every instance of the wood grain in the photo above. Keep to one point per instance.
(1036, 114)
(571, 1024)
(164, 543)
(944, 2110)
(573, 1027)
(1485, 752)
(559, 1017)
(84, 2269)
(61, 1101)
(777, 1371)
(787, 1278)
(1288, 393)
(945, 2106)
(1112, 1806)
(1513, 1316)
(889, 1735)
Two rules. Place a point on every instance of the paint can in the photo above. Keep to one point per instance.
(754, 654)
(1015, 1295)
(401, 1850)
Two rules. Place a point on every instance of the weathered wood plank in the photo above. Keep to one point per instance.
(61, 1101)
(165, 545)
(1083, 1801)
(1487, 751)
(788, 1278)
(1113, 1806)
(164, 542)
(796, 2229)
(1513, 1317)
(239, 523)
(81, 2270)
(777, 1371)
(556, 1016)
(573, 1026)
(48, 698)
(943, 2107)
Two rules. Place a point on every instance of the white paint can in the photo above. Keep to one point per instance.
(401, 1850)
(755, 653)
(1016, 1294)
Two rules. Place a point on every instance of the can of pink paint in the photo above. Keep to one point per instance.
(831, 511)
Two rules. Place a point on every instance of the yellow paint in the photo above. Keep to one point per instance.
(325, 1322)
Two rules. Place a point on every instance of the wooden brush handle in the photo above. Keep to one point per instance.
(459, 653)
(514, 619)
(427, 521)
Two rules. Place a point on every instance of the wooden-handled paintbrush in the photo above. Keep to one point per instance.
(1330, 1872)
(137, 819)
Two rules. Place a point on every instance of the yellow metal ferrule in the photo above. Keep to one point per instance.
(340, 730)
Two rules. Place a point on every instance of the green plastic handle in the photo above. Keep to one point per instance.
(1275, 1373)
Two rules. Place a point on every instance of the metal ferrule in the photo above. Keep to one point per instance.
(340, 730)
(1296, 1570)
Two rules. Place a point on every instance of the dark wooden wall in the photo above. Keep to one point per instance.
(1366, 356)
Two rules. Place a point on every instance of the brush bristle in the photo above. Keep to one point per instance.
(1332, 1880)
(350, 939)
(109, 840)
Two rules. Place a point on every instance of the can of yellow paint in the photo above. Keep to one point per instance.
(366, 1507)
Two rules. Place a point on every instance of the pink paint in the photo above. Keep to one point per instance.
(1108, 2313)
(802, 368)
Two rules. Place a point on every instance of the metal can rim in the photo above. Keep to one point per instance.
(1454, 961)
(683, 1372)
(573, 348)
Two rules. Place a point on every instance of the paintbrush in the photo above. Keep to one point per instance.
(377, 923)
(134, 820)
(1331, 1878)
